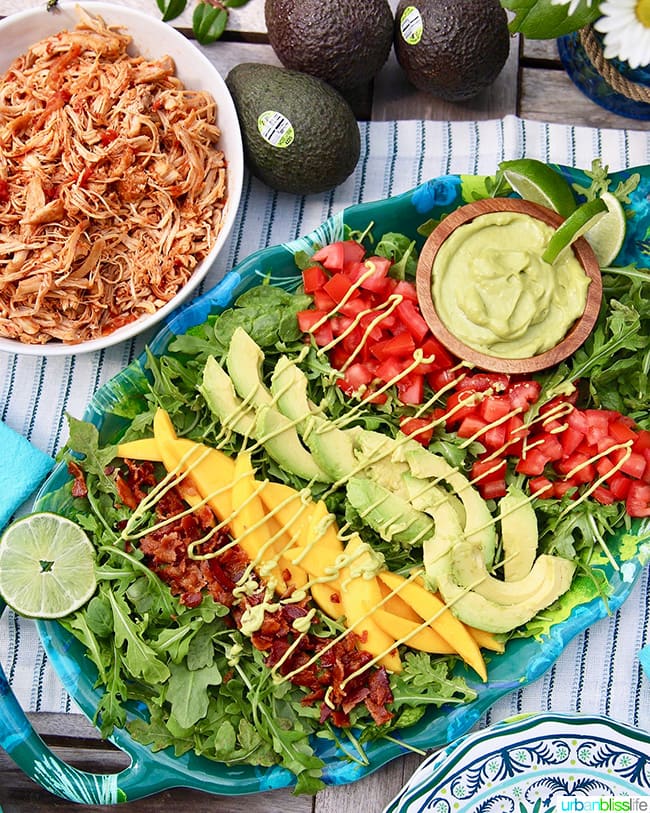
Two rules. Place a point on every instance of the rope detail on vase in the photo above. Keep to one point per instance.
(613, 77)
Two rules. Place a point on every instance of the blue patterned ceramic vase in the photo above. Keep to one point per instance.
(580, 53)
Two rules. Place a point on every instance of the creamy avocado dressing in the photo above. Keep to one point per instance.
(494, 292)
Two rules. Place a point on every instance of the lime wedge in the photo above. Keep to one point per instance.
(580, 222)
(47, 566)
(607, 235)
(538, 182)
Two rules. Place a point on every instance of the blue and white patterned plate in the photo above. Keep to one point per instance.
(528, 764)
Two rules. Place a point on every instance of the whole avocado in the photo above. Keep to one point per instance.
(299, 133)
(344, 42)
(451, 49)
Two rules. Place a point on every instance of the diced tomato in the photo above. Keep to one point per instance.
(603, 495)
(577, 420)
(337, 286)
(354, 306)
(371, 327)
(604, 466)
(642, 442)
(634, 466)
(541, 486)
(578, 467)
(570, 439)
(412, 319)
(307, 319)
(456, 410)
(480, 382)
(495, 437)
(376, 282)
(440, 379)
(621, 432)
(391, 369)
(406, 289)
(400, 345)
(524, 393)
(619, 485)
(597, 425)
(411, 389)
(485, 470)
(432, 347)
(637, 502)
(331, 256)
(323, 301)
(495, 407)
(532, 464)
(313, 278)
(353, 252)
(419, 429)
(493, 490)
(471, 425)
(551, 447)
(562, 487)
(355, 377)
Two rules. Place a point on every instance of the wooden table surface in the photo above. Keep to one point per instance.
(532, 85)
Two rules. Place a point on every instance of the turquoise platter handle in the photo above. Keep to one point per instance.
(20, 740)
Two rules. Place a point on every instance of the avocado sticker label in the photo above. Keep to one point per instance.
(410, 25)
(275, 128)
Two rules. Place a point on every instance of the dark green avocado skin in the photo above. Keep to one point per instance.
(464, 46)
(326, 144)
(344, 42)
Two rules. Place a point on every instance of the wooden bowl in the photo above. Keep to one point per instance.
(578, 333)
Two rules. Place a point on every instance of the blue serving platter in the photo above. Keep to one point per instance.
(524, 660)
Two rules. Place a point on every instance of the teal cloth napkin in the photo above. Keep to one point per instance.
(27, 468)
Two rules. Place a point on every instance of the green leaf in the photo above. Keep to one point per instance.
(187, 692)
(541, 19)
(139, 658)
(171, 8)
(208, 23)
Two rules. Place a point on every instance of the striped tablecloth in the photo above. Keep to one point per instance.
(599, 672)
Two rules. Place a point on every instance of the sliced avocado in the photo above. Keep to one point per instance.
(479, 526)
(289, 389)
(478, 611)
(468, 570)
(436, 550)
(519, 534)
(217, 388)
(426, 495)
(390, 515)
(244, 362)
(331, 447)
(374, 453)
(281, 441)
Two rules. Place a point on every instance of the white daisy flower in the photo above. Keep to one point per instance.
(626, 26)
(573, 4)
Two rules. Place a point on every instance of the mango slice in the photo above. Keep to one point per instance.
(426, 639)
(358, 594)
(428, 606)
(142, 449)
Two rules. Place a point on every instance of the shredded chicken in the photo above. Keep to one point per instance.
(112, 185)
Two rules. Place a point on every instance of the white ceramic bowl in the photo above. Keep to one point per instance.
(152, 38)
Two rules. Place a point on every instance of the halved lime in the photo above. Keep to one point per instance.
(47, 566)
(538, 182)
(607, 235)
(580, 222)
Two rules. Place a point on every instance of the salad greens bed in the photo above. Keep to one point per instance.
(206, 689)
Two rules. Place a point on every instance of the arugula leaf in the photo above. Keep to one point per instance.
(140, 659)
(187, 692)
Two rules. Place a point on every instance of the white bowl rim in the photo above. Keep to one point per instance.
(234, 158)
